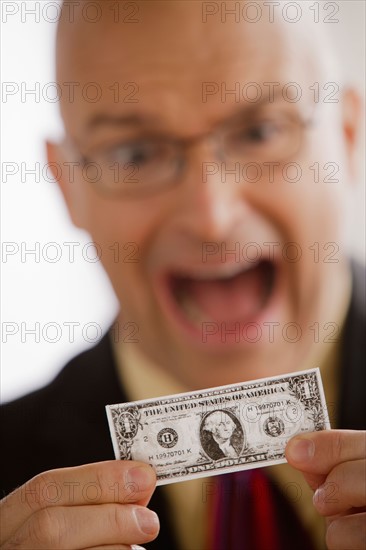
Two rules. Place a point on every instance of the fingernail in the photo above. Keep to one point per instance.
(135, 547)
(141, 476)
(301, 449)
(319, 496)
(147, 520)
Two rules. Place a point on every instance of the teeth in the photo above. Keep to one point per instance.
(222, 274)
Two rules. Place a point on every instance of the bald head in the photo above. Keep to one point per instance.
(137, 46)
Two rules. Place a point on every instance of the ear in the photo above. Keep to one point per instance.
(351, 117)
(56, 156)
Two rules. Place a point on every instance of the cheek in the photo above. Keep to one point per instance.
(111, 220)
(124, 232)
(302, 198)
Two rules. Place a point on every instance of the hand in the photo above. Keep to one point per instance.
(96, 506)
(334, 465)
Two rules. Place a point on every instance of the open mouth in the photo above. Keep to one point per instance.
(221, 297)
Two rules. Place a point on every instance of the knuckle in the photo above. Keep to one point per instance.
(47, 528)
(100, 480)
(117, 519)
(40, 526)
(336, 448)
(31, 493)
(40, 485)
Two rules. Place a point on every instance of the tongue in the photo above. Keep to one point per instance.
(230, 300)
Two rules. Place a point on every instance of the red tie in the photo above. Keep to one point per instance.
(250, 513)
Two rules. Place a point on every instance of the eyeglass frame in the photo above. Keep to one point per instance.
(181, 145)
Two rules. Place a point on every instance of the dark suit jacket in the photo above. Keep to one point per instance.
(64, 424)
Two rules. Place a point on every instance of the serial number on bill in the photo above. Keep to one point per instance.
(171, 454)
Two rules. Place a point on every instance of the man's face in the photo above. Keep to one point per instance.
(222, 277)
(224, 429)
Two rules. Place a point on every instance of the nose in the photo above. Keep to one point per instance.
(212, 203)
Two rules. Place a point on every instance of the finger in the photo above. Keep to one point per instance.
(81, 527)
(343, 489)
(316, 453)
(98, 483)
(347, 533)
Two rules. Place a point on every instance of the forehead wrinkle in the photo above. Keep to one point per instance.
(257, 52)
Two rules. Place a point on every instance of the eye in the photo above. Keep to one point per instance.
(262, 132)
(140, 154)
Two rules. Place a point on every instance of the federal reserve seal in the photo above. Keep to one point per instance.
(167, 438)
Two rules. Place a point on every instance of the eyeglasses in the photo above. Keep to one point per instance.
(148, 165)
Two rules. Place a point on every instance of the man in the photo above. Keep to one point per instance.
(220, 255)
(217, 431)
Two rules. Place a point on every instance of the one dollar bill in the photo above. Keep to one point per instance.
(219, 430)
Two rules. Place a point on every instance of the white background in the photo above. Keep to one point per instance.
(57, 294)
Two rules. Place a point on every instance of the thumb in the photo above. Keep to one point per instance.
(315, 454)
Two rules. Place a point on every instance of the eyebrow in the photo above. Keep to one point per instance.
(102, 119)
(138, 120)
(253, 106)
(247, 110)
